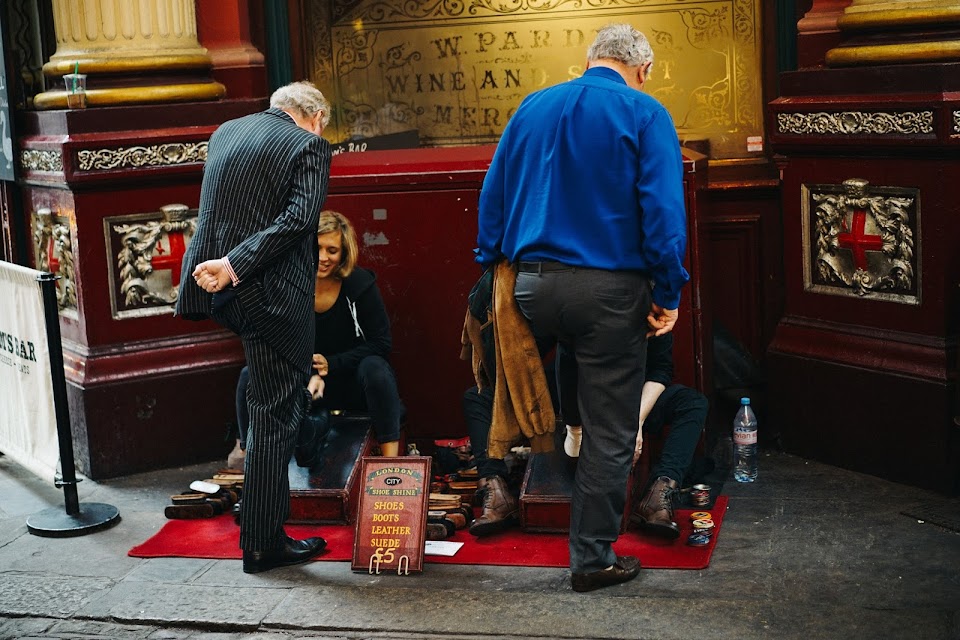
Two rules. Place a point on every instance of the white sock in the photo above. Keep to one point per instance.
(571, 444)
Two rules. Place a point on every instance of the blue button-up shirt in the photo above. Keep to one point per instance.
(589, 173)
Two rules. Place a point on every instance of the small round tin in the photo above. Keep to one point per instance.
(704, 527)
(701, 515)
(700, 494)
(698, 540)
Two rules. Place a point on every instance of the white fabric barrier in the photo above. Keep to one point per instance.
(28, 419)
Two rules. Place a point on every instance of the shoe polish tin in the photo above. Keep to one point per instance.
(700, 495)
(703, 527)
(698, 540)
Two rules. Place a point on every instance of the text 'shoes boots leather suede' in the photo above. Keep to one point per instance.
(500, 509)
(654, 513)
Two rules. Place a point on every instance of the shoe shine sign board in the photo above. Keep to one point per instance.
(392, 517)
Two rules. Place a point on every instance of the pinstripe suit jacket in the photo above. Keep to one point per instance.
(264, 184)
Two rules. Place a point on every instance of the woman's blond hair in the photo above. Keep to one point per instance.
(331, 221)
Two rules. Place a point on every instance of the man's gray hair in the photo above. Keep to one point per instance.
(302, 97)
(623, 43)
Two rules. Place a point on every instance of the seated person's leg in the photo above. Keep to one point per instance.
(566, 368)
(477, 407)
(685, 411)
(236, 457)
(500, 506)
(379, 385)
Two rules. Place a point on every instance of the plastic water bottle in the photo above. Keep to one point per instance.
(745, 443)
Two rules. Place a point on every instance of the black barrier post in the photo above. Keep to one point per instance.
(78, 519)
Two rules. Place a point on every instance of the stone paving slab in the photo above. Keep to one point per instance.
(238, 608)
(48, 595)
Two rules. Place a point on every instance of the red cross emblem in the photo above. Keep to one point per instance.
(53, 262)
(170, 258)
(857, 240)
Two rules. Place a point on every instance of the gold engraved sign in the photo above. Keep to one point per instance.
(456, 70)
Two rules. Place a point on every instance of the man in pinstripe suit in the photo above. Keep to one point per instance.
(253, 260)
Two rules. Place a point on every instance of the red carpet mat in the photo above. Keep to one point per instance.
(218, 538)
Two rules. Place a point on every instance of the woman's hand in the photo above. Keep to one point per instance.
(320, 364)
(315, 387)
(638, 445)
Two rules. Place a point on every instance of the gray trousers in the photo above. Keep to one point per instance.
(277, 400)
(600, 316)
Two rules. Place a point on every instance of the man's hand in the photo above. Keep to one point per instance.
(661, 320)
(315, 387)
(212, 276)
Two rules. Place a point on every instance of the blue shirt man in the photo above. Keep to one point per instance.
(584, 195)
(596, 183)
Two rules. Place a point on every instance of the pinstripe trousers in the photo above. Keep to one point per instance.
(277, 400)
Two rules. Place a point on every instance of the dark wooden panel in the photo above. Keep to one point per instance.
(735, 269)
(742, 228)
(894, 427)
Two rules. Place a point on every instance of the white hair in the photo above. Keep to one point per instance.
(623, 43)
(302, 97)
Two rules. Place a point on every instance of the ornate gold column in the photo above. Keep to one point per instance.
(133, 52)
(897, 32)
(817, 32)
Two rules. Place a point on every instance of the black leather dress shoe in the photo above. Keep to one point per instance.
(292, 552)
(625, 569)
(312, 438)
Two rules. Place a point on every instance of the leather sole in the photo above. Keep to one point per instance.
(258, 566)
(625, 569)
(660, 529)
(487, 527)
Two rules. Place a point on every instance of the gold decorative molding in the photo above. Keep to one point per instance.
(40, 160)
(188, 92)
(91, 65)
(167, 154)
(901, 32)
(898, 17)
(896, 53)
(391, 10)
(856, 123)
(862, 241)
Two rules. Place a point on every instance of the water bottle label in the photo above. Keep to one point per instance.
(744, 436)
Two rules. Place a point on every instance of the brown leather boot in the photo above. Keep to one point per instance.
(654, 513)
(480, 492)
(500, 508)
